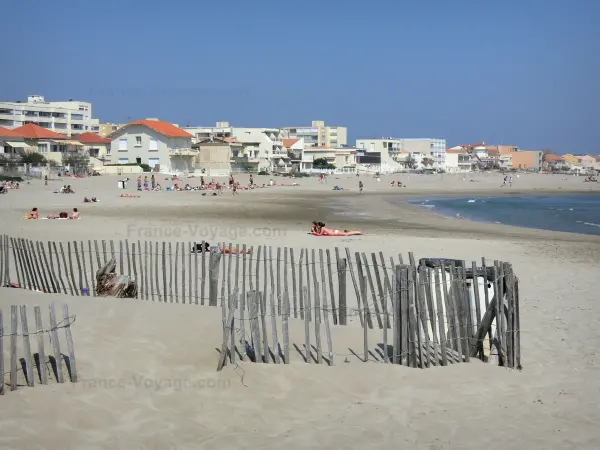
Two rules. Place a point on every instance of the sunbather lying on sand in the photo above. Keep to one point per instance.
(90, 200)
(222, 249)
(129, 196)
(319, 229)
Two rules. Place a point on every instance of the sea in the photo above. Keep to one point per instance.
(568, 213)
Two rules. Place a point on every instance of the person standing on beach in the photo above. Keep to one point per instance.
(234, 189)
(510, 181)
(251, 180)
(153, 182)
(504, 182)
(360, 186)
(46, 180)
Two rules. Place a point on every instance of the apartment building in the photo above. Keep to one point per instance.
(105, 129)
(68, 118)
(528, 159)
(393, 151)
(318, 134)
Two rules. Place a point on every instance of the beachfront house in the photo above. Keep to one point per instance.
(458, 160)
(12, 144)
(215, 156)
(262, 148)
(54, 146)
(162, 145)
(343, 158)
(95, 145)
(591, 162)
(554, 162)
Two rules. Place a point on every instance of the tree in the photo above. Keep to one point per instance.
(78, 162)
(410, 162)
(321, 163)
(35, 159)
(427, 162)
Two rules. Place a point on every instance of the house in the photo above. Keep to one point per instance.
(162, 145)
(553, 162)
(11, 143)
(590, 162)
(95, 146)
(528, 160)
(343, 158)
(572, 160)
(54, 146)
(263, 147)
(215, 155)
(458, 160)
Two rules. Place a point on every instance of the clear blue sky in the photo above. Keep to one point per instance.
(520, 72)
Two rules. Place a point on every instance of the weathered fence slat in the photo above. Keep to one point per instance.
(254, 328)
(334, 313)
(26, 347)
(306, 325)
(285, 327)
(318, 321)
(355, 284)
(262, 302)
(39, 331)
(56, 345)
(67, 325)
(13, 348)
(440, 317)
(294, 286)
(367, 270)
(1, 353)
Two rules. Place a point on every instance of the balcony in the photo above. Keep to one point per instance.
(182, 152)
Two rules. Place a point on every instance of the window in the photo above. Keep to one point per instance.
(123, 160)
(123, 144)
(138, 141)
(153, 144)
(43, 148)
(153, 162)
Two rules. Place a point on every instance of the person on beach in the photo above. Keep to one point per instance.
(34, 214)
(504, 181)
(360, 186)
(74, 214)
(231, 181)
(510, 181)
(46, 180)
(139, 183)
(234, 189)
(251, 180)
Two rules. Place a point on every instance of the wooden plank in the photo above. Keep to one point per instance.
(151, 275)
(285, 327)
(487, 298)
(477, 298)
(224, 257)
(243, 320)
(386, 316)
(79, 267)
(227, 325)
(28, 266)
(364, 302)
(257, 274)
(483, 328)
(315, 283)
(244, 276)
(318, 319)
(354, 283)
(104, 254)
(306, 265)
(13, 348)
(448, 309)
(285, 273)
(237, 268)
(76, 287)
(327, 327)
(365, 311)
(176, 273)
(294, 285)
(213, 283)
(367, 270)
(274, 328)
(64, 260)
(517, 327)
(322, 267)
(128, 255)
(39, 333)
(278, 283)
(43, 269)
(26, 347)
(121, 265)
(163, 257)
(510, 341)
(262, 301)
(440, 317)
(32, 260)
(97, 251)
(3, 249)
(331, 290)
(171, 273)
(49, 280)
(2, 352)
(143, 290)
(430, 315)
(454, 312)
(70, 348)
(18, 263)
(306, 324)
(414, 339)
(38, 267)
(156, 276)
(301, 285)
(135, 276)
(56, 345)
(342, 264)
(404, 349)
(396, 326)
(466, 311)
(7, 278)
(183, 252)
(196, 273)
(376, 268)
(255, 330)
(85, 272)
(266, 277)
(500, 317)
(112, 249)
(234, 307)
(421, 310)
(203, 283)
(148, 271)
(272, 278)
(59, 274)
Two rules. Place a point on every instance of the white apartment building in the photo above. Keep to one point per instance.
(318, 134)
(262, 148)
(68, 118)
(391, 150)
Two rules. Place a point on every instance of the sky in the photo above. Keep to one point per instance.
(525, 73)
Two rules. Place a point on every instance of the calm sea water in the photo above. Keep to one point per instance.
(570, 213)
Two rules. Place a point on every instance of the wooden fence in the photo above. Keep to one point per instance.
(38, 366)
(438, 315)
(449, 301)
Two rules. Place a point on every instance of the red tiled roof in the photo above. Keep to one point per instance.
(33, 131)
(231, 140)
(550, 157)
(478, 144)
(455, 151)
(287, 143)
(164, 128)
(6, 132)
(92, 138)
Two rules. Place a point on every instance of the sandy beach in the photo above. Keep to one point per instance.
(148, 348)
